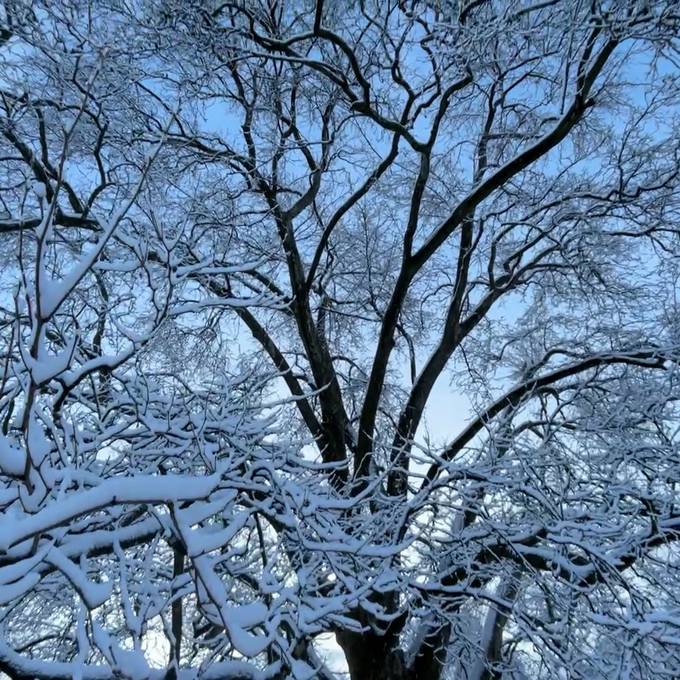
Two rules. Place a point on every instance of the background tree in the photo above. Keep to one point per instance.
(244, 242)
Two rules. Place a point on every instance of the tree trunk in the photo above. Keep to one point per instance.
(373, 657)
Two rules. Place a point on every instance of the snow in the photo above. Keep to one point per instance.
(39, 189)
(56, 670)
(12, 457)
(138, 489)
(93, 594)
(200, 542)
(47, 367)
(302, 670)
(15, 590)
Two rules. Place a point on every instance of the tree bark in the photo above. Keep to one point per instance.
(371, 656)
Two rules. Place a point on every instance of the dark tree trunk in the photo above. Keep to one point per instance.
(371, 656)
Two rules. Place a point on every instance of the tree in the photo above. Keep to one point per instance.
(242, 243)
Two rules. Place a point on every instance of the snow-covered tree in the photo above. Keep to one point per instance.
(247, 247)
